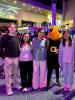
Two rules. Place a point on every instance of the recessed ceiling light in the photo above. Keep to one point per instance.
(32, 6)
(39, 9)
(15, 1)
(24, 4)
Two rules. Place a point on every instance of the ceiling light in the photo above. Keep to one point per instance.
(39, 9)
(15, 1)
(32, 6)
(24, 4)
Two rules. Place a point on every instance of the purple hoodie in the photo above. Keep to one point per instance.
(66, 54)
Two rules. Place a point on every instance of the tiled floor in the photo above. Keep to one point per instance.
(54, 93)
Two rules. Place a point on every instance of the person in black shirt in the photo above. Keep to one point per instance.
(9, 50)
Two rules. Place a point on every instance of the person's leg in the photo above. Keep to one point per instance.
(15, 73)
(65, 74)
(7, 70)
(50, 69)
(2, 75)
(30, 73)
(35, 82)
(1, 68)
(56, 67)
(70, 76)
(23, 73)
(43, 74)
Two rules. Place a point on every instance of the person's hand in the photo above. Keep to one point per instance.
(60, 68)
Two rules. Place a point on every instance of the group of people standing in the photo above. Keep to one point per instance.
(31, 58)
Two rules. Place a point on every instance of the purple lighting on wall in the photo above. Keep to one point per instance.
(36, 3)
(53, 13)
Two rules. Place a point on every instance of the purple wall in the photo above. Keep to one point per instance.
(36, 3)
(53, 13)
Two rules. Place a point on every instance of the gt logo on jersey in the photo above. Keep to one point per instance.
(54, 49)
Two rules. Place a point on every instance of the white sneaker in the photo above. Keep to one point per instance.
(9, 92)
(25, 90)
(18, 87)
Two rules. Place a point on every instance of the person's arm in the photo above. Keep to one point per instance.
(32, 44)
(47, 44)
(2, 53)
(73, 48)
(60, 54)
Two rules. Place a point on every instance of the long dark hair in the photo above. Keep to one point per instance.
(22, 40)
(64, 40)
(40, 29)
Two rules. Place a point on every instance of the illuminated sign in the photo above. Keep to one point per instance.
(8, 15)
(8, 11)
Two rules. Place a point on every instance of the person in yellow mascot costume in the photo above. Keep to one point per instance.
(52, 54)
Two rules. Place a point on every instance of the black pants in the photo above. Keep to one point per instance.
(26, 71)
(52, 67)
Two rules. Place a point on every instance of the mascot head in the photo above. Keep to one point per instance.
(54, 34)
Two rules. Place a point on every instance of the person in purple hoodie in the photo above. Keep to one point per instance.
(66, 60)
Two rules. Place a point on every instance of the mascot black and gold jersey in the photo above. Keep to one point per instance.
(52, 51)
(52, 54)
(53, 45)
